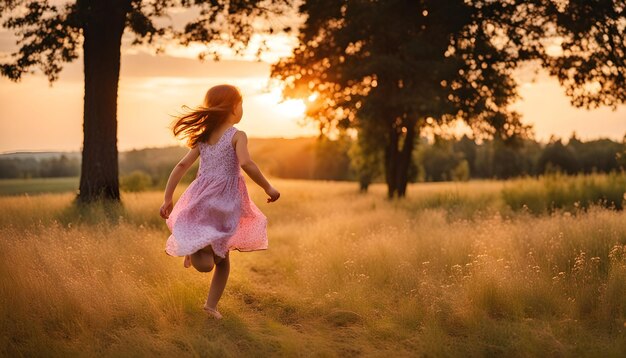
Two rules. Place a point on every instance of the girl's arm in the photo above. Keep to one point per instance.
(241, 148)
(177, 173)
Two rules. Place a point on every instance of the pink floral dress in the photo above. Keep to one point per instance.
(215, 209)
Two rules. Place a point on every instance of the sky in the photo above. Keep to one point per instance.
(35, 116)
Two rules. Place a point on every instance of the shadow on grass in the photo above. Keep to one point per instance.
(102, 211)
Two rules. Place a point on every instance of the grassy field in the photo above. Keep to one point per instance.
(38, 186)
(456, 269)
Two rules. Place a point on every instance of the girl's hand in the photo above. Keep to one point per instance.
(273, 193)
(166, 209)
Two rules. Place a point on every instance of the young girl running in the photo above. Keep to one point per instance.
(215, 214)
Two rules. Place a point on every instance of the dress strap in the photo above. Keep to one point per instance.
(230, 135)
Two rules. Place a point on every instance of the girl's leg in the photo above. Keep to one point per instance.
(218, 283)
(202, 260)
(217, 259)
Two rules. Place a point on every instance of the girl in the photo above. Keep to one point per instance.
(215, 215)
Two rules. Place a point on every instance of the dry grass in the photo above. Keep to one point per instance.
(449, 272)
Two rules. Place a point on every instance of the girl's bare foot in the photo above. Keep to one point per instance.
(212, 312)
(187, 262)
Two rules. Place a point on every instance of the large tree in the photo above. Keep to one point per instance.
(389, 68)
(52, 34)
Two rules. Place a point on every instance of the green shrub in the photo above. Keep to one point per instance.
(136, 181)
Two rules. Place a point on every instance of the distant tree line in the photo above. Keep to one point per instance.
(452, 159)
(61, 166)
(343, 159)
(448, 159)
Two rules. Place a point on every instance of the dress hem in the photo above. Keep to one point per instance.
(233, 249)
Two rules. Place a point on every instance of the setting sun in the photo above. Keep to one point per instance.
(287, 107)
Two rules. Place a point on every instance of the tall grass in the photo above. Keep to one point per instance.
(567, 193)
(447, 272)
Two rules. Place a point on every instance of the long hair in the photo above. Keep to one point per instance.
(198, 124)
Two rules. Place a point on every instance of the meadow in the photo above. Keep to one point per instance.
(483, 268)
(37, 186)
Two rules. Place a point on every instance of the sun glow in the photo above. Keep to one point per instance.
(292, 108)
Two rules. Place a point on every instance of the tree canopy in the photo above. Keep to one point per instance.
(50, 35)
(390, 68)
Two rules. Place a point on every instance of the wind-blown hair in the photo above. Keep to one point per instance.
(198, 124)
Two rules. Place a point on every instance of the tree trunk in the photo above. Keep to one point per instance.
(397, 161)
(404, 160)
(102, 33)
(391, 162)
(364, 182)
